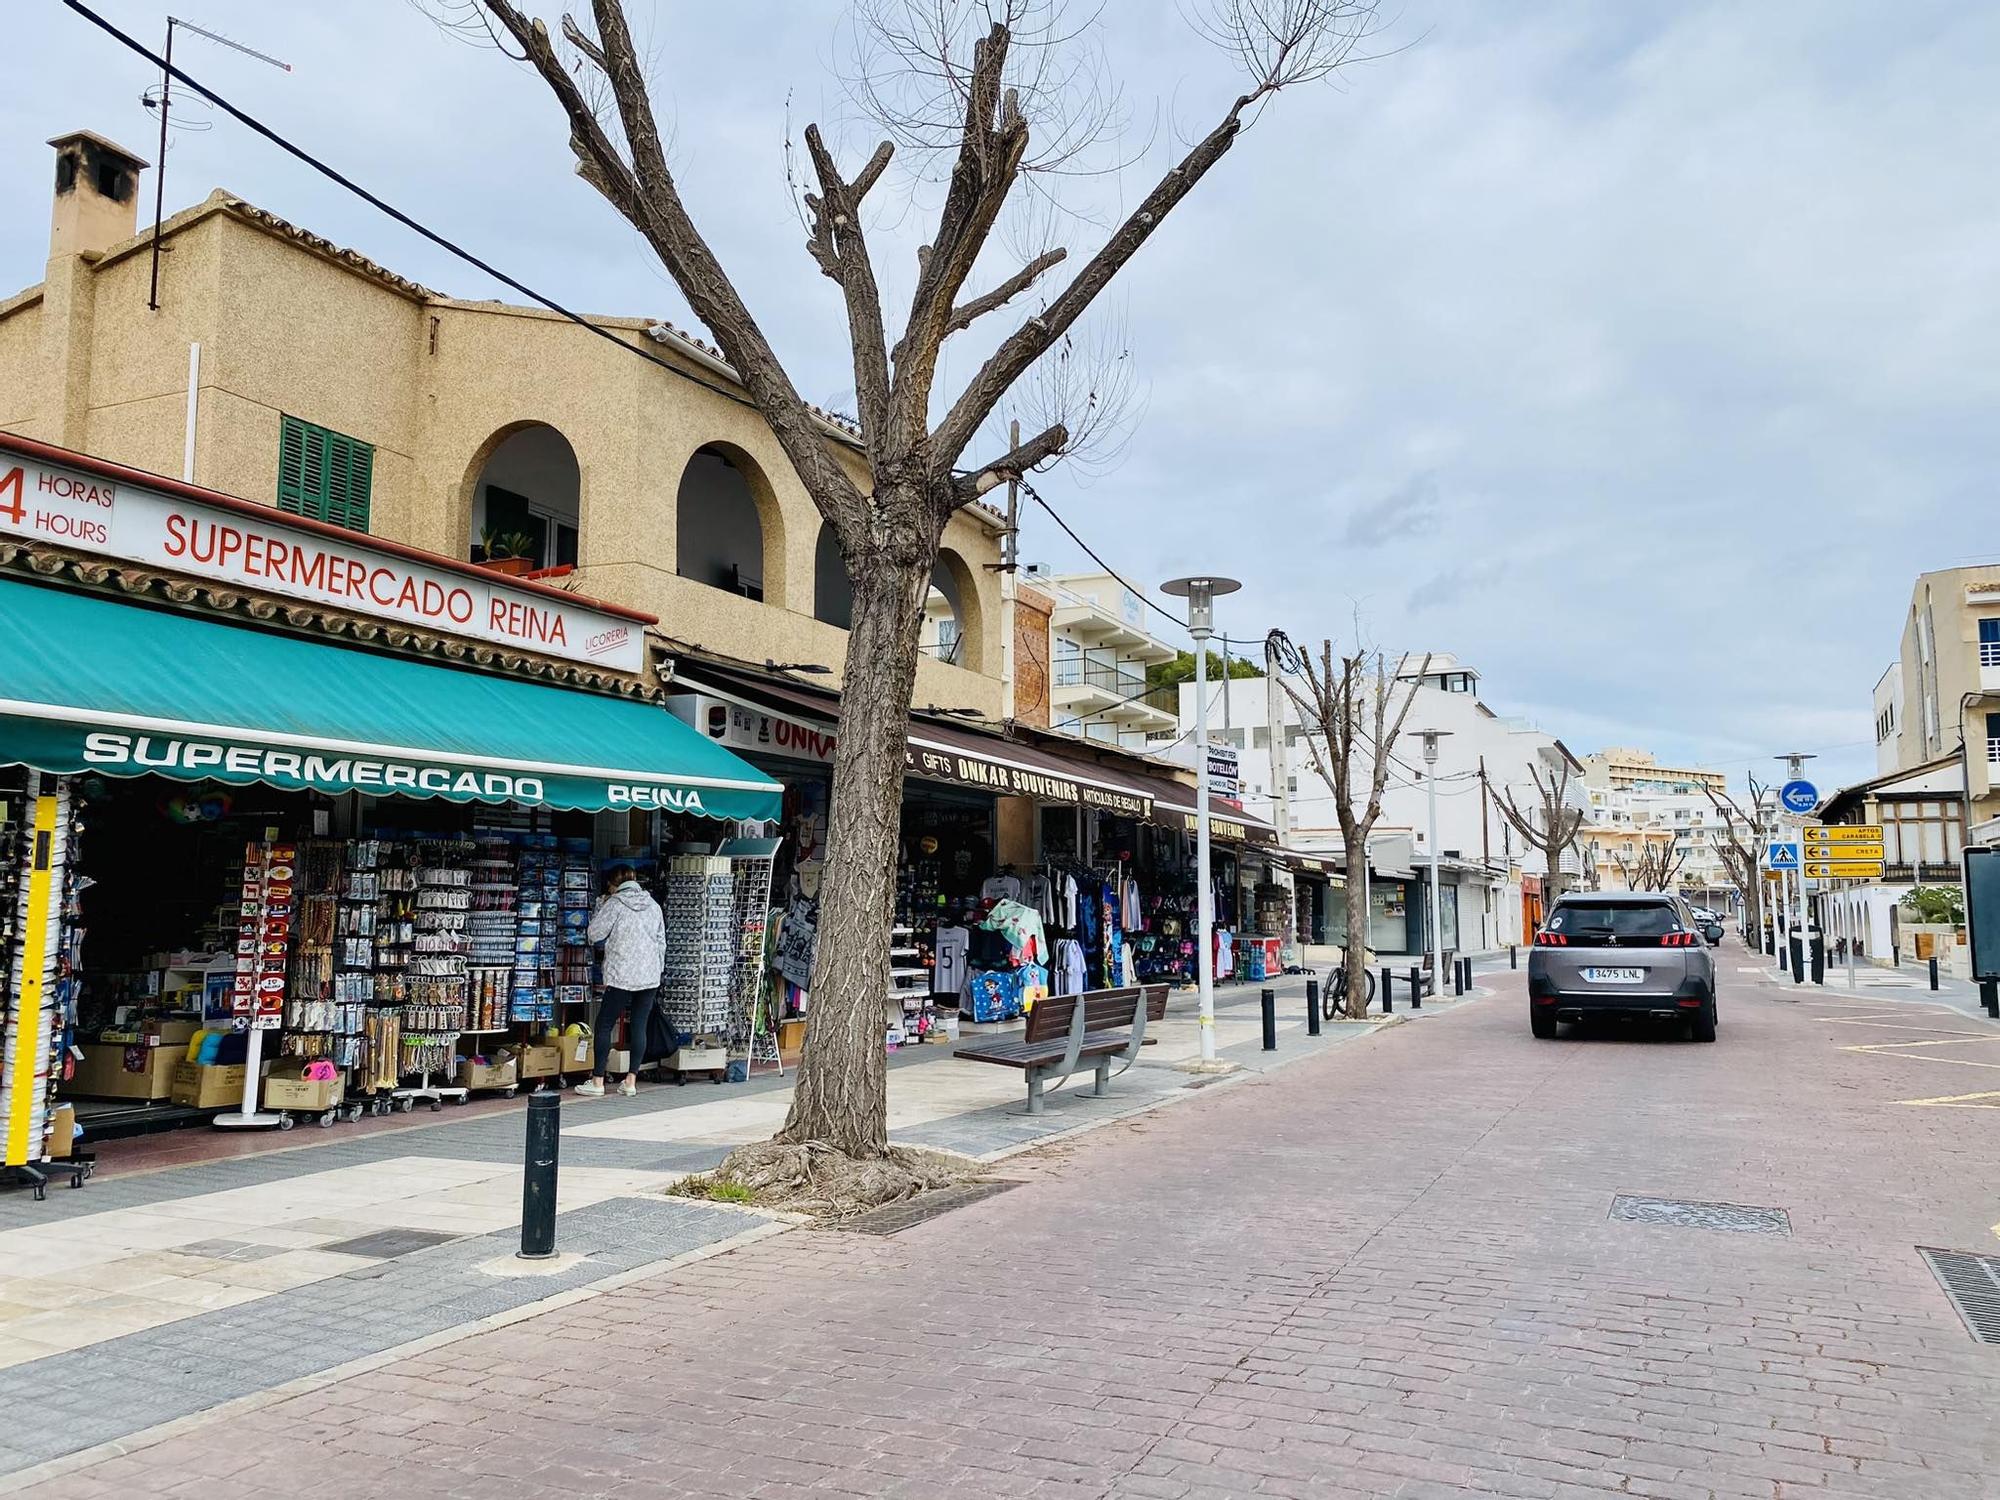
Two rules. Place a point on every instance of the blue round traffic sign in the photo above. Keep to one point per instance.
(1799, 796)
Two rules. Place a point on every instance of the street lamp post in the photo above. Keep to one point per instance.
(1200, 594)
(1431, 738)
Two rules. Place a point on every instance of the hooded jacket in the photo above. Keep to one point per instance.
(629, 924)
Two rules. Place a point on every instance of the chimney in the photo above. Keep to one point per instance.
(97, 194)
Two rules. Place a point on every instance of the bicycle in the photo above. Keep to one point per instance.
(1334, 1000)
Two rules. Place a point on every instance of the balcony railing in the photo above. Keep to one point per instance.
(1115, 680)
(1989, 653)
(1993, 749)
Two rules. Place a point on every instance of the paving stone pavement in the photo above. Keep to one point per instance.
(1391, 1269)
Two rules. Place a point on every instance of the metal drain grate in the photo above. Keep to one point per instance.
(387, 1244)
(1733, 1218)
(900, 1216)
(1972, 1282)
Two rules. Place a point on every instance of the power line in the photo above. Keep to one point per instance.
(334, 175)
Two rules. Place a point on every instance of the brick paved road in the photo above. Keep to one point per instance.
(1388, 1271)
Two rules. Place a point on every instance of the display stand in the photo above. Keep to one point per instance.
(270, 872)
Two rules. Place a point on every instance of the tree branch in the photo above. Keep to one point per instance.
(964, 315)
(1015, 462)
(842, 252)
(644, 192)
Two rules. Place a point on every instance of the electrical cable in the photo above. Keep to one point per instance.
(334, 175)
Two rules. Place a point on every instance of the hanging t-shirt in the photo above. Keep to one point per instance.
(1066, 975)
(1038, 891)
(1135, 917)
(1068, 902)
(952, 947)
(1001, 888)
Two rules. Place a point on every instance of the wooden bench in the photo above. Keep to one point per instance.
(1067, 1033)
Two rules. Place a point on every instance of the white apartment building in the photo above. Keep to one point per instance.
(1099, 649)
(1489, 883)
(1637, 805)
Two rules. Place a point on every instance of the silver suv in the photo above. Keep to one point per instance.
(1631, 953)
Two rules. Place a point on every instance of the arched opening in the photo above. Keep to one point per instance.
(833, 595)
(726, 523)
(526, 500)
(951, 614)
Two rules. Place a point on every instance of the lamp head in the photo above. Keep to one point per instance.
(1431, 738)
(1200, 592)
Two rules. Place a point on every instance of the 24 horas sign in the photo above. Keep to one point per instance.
(241, 545)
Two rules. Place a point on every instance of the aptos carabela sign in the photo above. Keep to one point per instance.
(255, 548)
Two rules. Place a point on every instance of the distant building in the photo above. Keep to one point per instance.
(1099, 648)
(1941, 697)
(1637, 770)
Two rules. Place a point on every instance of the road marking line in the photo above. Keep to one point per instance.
(1958, 1101)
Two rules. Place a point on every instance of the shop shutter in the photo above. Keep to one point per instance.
(324, 474)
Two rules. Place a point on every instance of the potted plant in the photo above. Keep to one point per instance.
(509, 552)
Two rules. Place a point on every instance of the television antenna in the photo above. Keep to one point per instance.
(164, 103)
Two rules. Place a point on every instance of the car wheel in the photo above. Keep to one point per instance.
(1703, 1029)
(1542, 1023)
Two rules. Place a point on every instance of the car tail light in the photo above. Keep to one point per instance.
(1677, 940)
(1551, 940)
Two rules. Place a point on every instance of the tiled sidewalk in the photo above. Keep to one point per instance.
(152, 1278)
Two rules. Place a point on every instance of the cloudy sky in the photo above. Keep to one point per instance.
(1641, 353)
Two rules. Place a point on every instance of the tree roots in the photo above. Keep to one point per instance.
(814, 1178)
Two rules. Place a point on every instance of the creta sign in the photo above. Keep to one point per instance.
(94, 514)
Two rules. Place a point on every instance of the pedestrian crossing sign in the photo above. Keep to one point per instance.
(1783, 857)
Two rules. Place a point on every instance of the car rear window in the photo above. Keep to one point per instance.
(1622, 919)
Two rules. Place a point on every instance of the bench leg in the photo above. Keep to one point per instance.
(1103, 1085)
(1034, 1091)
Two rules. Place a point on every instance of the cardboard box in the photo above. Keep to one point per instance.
(791, 1035)
(208, 1085)
(174, 1032)
(693, 1059)
(541, 1062)
(578, 1053)
(62, 1131)
(617, 1062)
(289, 1091)
(102, 1073)
(474, 1075)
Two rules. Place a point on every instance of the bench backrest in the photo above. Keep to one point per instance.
(1103, 1010)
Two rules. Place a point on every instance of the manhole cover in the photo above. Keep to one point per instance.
(387, 1244)
(900, 1216)
(1735, 1218)
(1972, 1282)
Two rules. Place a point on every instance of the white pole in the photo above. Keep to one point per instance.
(193, 406)
(1367, 921)
(1437, 906)
(1204, 894)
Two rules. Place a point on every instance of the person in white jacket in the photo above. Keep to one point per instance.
(634, 934)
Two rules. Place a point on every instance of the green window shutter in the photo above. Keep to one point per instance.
(324, 474)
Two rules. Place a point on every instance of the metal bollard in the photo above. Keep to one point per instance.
(1270, 1020)
(1312, 1007)
(538, 1177)
(1895, 957)
(1416, 987)
(1388, 992)
(1934, 981)
(1457, 973)
(1989, 997)
(1513, 957)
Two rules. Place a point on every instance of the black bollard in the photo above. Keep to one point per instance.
(1388, 992)
(1895, 957)
(1416, 987)
(1513, 957)
(1934, 981)
(538, 1177)
(1989, 997)
(1312, 1007)
(1270, 1020)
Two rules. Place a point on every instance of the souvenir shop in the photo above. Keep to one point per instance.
(1316, 886)
(254, 877)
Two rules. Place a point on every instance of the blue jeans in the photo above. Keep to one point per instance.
(636, 1004)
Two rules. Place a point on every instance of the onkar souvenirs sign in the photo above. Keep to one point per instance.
(93, 513)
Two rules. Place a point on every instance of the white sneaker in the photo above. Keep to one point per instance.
(629, 1087)
(590, 1088)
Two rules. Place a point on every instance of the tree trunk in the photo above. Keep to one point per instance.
(1357, 939)
(841, 1097)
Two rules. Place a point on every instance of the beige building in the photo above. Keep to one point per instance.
(1625, 770)
(284, 369)
(1941, 697)
(1099, 650)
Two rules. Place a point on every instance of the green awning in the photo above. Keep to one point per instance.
(89, 684)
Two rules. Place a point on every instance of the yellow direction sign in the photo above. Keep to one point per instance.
(1843, 869)
(1842, 851)
(1843, 833)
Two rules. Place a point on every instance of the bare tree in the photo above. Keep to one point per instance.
(1740, 843)
(976, 83)
(1350, 712)
(1549, 824)
(1658, 862)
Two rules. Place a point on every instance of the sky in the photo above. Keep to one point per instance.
(1639, 353)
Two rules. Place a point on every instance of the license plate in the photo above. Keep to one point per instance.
(1615, 976)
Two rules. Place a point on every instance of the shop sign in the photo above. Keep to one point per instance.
(960, 769)
(1225, 777)
(752, 730)
(91, 513)
(73, 748)
(1220, 827)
